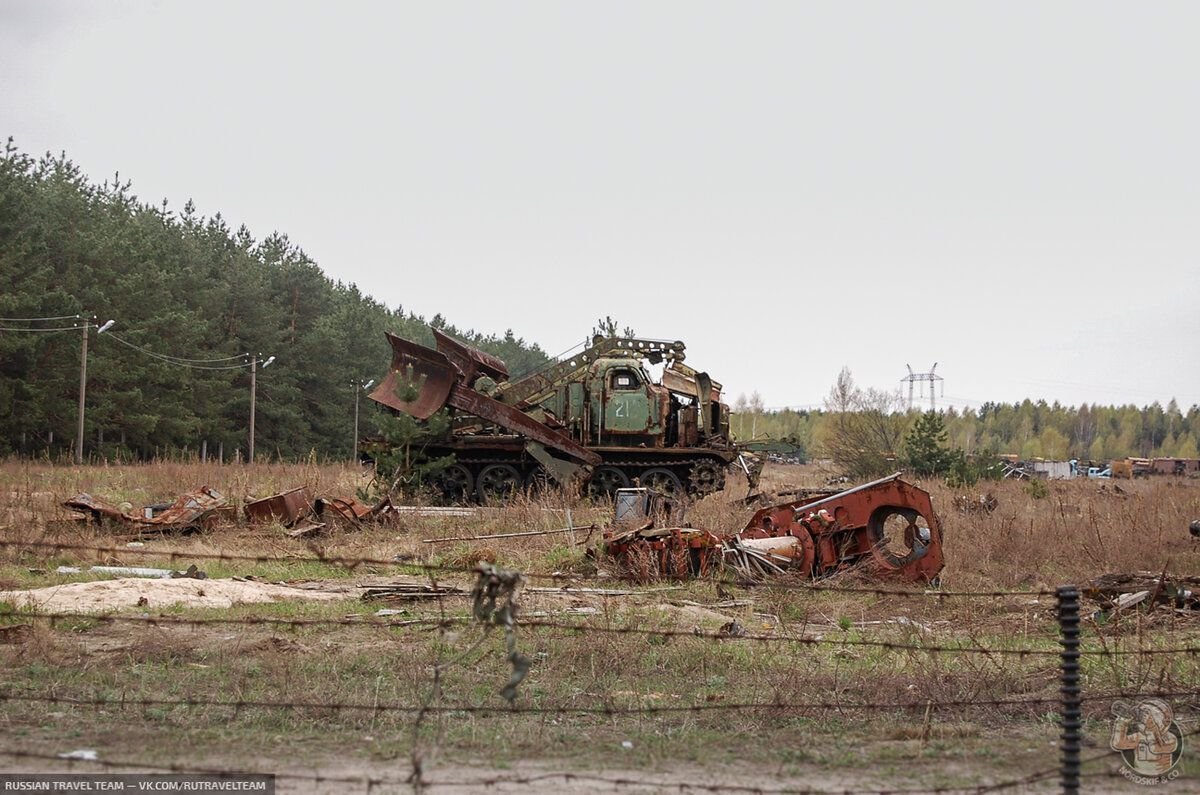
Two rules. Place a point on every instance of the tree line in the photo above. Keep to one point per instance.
(854, 418)
(189, 294)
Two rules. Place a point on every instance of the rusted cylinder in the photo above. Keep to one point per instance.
(783, 546)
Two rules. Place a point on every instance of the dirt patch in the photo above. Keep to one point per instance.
(106, 595)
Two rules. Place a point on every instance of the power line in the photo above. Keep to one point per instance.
(42, 330)
(36, 319)
(185, 362)
(184, 358)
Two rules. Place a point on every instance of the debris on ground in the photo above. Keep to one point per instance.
(1194, 528)
(287, 508)
(347, 510)
(202, 509)
(980, 503)
(104, 595)
(138, 571)
(400, 592)
(82, 754)
(1145, 590)
(191, 512)
(887, 528)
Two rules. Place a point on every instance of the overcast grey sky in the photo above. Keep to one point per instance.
(1011, 190)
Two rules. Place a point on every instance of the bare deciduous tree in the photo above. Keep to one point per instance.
(867, 428)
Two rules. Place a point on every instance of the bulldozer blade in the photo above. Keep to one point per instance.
(471, 361)
(419, 381)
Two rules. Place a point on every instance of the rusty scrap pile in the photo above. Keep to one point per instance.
(205, 507)
(887, 526)
(196, 510)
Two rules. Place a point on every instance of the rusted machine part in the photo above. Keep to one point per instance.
(887, 521)
(674, 552)
(422, 381)
(287, 508)
(889, 525)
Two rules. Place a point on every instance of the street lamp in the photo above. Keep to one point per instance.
(253, 395)
(358, 388)
(83, 384)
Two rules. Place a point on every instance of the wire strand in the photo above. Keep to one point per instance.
(649, 632)
(184, 358)
(552, 709)
(182, 362)
(37, 319)
(44, 330)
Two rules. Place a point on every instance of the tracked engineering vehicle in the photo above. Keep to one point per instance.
(596, 418)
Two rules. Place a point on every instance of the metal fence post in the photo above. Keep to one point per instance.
(1068, 624)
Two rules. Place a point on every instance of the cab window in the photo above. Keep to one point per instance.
(622, 381)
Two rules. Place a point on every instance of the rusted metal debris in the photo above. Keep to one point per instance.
(887, 527)
(287, 508)
(350, 510)
(1145, 590)
(203, 508)
(196, 510)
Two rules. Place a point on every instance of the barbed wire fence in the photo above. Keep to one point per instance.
(494, 601)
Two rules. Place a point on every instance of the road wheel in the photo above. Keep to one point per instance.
(456, 483)
(605, 481)
(664, 481)
(707, 477)
(497, 482)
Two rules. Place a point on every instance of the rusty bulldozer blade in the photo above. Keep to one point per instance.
(419, 381)
(422, 381)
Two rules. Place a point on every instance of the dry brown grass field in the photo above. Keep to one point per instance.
(307, 687)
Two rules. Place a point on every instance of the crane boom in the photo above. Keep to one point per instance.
(531, 389)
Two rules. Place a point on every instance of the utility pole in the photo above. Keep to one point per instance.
(253, 391)
(931, 377)
(82, 394)
(253, 397)
(358, 388)
(83, 385)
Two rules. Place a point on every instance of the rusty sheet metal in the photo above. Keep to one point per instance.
(686, 384)
(193, 510)
(98, 509)
(287, 508)
(471, 361)
(350, 509)
(189, 510)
